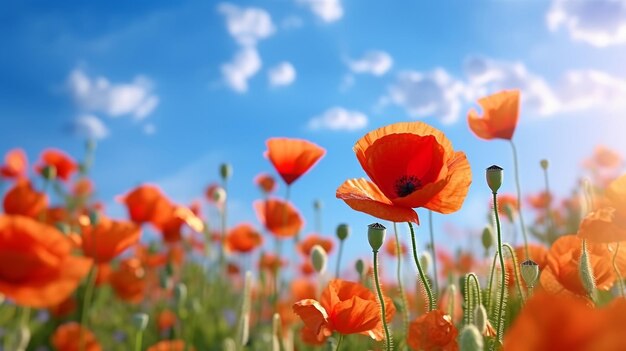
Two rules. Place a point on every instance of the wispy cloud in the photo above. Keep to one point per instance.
(99, 95)
(247, 25)
(89, 127)
(600, 23)
(282, 74)
(244, 66)
(374, 62)
(339, 119)
(326, 10)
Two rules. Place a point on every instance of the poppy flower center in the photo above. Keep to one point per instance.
(406, 185)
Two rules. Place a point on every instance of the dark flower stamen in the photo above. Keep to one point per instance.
(406, 185)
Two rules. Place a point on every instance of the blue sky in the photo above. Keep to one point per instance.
(173, 89)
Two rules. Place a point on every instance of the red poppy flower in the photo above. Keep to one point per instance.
(307, 244)
(23, 199)
(64, 165)
(243, 238)
(266, 182)
(166, 320)
(411, 165)
(170, 345)
(292, 157)
(500, 115)
(108, 239)
(279, 217)
(146, 203)
(345, 307)
(15, 164)
(67, 338)
(37, 268)
(607, 224)
(128, 281)
(391, 249)
(432, 331)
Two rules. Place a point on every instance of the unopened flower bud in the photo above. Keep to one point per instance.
(94, 218)
(317, 204)
(180, 293)
(426, 260)
(470, 339)
(229, 345)
(140, 321)
(530, 272)
(226, 171)
(586, 272)
(480, 318)
(376, 235)
(544, 164)
(359, 266)
(343, 231)
(319, 258)
(219, 195)
(49, 172)
(494, 176)
(487, 237)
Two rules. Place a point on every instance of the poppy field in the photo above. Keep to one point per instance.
(73, 278)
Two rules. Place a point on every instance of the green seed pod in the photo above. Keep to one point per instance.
(49, 172)
(470, 339)
(426, 260)
(317, 204)
(219, 195)
(140, 321)
(544, 164)
(376, 235)
(319, 257)
(180, 293)
(343, 231)
(487, 237)
(359, 266)
(480, 318)
(586, 272)
(494, 175)
(530, 272)
(226, 171)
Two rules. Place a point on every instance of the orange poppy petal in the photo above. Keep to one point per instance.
(500, 115)
(600, 227)
(616, 192)
(293, 157)
(364, 196)
(355, 315)
(451, 197)
(312, 314)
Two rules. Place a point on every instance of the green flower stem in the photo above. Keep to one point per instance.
(550, 227)
(519, 201)
(500, 311)
(620, 278)
(340, 339)
(382, 302)
(91, 282)
(429, 292)
(405, 310)
(138, 340)
(516, 273)
(339, 258)
(434, 253)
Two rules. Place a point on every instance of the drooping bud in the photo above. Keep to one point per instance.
(470, 339)
(180, 293)
(219, 195)
(544, 164)
(49, 172)
(494, 176)
(487, 237)
(140, 321)
(480, 318)
(319, 257)
(343, 231)
(530, 272)
(226, 171)
(586, 272)
(376, 235)
(360, 267)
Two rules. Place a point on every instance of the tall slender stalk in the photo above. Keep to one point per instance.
(620, 278)
(500, 311)
(89, 287)
(420, 270)
(434, 253)
(405, 310)
(382, 302)
(339, 259)
(519, 200)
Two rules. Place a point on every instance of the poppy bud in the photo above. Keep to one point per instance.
(530, 272)
(219, 195)
(376, 235)
(343, 231)
(180, 293)
(494, 177)
(23, 338)
(164, 280)
(226, 171)
(487, 237)
(470, 339)
(586, 272)
(94, 218)
(317, 205)
(319, 258)
(140, 321)
(480, 318)
(49, 172)
(229, 345)
(359, 266)
(544, 164)
(426, 260)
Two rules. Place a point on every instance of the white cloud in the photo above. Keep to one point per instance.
(485, 76)
(599, 22)
(244, 66)
(100, 95)
(327, 10)
(90, 127)
(373, 62)
(282, 74)
(338, 118)
(247, 25)
(586, 89)
(435, 94)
